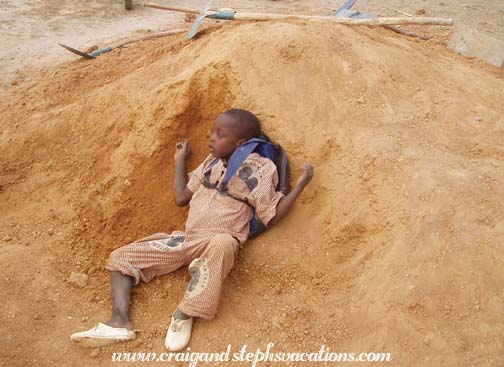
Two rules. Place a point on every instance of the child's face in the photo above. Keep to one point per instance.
(224, 138)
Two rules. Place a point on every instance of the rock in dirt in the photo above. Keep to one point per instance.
(475, 43)
(77, 280)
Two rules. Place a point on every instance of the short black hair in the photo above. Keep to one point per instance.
(248, 125)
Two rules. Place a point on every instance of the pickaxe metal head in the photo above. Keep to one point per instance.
(77, 52)
(194, 29)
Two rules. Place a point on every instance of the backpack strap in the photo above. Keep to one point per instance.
(222, 190)
(262, 147)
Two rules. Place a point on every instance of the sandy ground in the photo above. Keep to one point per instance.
(394, 248)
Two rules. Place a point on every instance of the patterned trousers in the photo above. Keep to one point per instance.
(210, 259)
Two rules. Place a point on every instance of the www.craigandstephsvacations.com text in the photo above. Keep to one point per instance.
(251, 357)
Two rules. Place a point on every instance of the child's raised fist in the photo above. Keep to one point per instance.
(182, 151)
(306, 175)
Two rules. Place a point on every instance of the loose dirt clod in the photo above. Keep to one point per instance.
(78, 280)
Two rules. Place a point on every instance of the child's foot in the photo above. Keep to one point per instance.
(179, 333)
(119, 323)
(179, 315)
(102, 334)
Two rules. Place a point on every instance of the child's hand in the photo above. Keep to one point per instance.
(306, 176)
(182, 151)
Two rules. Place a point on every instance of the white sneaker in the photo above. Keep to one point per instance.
(101, 335)
(178, 334)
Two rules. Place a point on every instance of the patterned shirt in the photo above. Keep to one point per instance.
(211, 212)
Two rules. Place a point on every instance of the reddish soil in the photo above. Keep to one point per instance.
(394, 247)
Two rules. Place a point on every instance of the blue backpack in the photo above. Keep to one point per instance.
(265, 148)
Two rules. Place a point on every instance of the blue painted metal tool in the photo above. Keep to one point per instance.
(345, 11)
(196, 24)
(92, 55)
(101, 51)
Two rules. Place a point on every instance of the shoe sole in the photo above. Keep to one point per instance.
(99, 342)
(176, 350)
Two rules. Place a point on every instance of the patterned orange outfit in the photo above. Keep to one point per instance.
(216, 225)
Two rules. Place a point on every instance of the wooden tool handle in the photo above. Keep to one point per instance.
(173, 8)
(149, 36)
(347, 21)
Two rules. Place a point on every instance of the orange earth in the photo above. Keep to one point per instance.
(395, 246)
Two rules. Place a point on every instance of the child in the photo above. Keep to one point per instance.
(216, 225)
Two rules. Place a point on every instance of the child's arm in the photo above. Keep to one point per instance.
(286, 202)
(182, 194)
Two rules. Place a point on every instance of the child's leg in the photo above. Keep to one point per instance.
(142, 260)
(208, 271)
(120, 286)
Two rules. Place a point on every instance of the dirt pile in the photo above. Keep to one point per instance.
(395, 247)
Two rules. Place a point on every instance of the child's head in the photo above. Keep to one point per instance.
(231, 129)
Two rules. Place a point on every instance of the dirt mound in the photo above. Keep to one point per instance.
(395, 247)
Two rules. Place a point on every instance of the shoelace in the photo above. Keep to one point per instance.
(177, 325)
